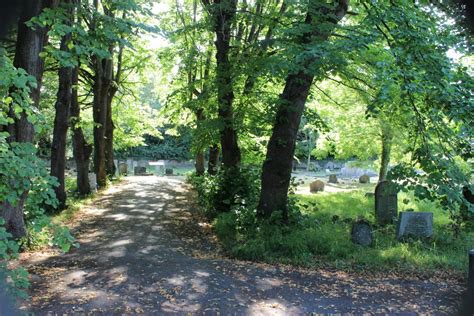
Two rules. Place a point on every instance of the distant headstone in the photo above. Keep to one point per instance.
(123, 168)
(386, 203)
(139, 170)
(369, 194)
(142, 163)
(361, 233)
(415, 225)
(169, 172)
(93, 182)
(316, 186)
(364, 179)
(332, 178)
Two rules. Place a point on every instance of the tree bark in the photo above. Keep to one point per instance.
(30, 43)
(224, 14)
(213, 163)
(387, 138)
(99, 110)
(276, 171)
(61, 124)
(109, 139)
(81, 149)
(200, 160)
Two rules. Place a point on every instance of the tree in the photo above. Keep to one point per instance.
(276, 172)
(62, 106)
(29, 45)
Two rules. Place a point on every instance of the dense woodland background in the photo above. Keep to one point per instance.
(245, 89)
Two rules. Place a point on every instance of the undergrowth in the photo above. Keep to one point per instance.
(318, 231)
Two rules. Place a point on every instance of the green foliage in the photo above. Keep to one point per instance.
(320, 235)
(16, 279)
(244, 186)
(23, 173)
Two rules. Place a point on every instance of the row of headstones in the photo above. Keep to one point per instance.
(416, 225)
(318, 185)
(139, 170)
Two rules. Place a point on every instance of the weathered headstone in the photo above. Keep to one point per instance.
(316, 186)
(386, 203)
(361, 233)
(369, 194)
(123, 168)
(332, 178)
(364, 179)
(139, 170)
(169, 171)
(415, 225)
(93, 182)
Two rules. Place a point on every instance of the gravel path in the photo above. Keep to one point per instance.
(143, 251)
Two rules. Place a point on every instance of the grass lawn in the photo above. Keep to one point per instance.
(442, 253)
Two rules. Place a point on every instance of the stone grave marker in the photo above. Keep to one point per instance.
(122, 168)
(386, 203)
(139, 170)
(364, 179)
(332, 178)
(316, 186)
(169, 171)
(361, 233)
(418, 225)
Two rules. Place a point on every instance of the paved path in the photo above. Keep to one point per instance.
(142, 251)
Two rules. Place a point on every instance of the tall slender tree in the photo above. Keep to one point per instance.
(61, 119)
(320, 21)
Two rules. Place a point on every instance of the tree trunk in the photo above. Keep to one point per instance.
(30, 43)
(99, 109)
(81, 149)
(387, 138)
(310, 149)
(200, 160)
(109, 139)
(224, 14)
(213, 163)
(61, 123)
(276, 171)
(200, 163)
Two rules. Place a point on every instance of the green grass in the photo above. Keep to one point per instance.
(442, 252)
(319, 239)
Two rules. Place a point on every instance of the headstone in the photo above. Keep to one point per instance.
(369, 194)
(386, 203)
(142, 163)
(316, 186)
(139, 170)
(361, 233)
(93, 182)
(415, 225)
(332, 178)
(364, 179)
(123, 168)
(169, 171)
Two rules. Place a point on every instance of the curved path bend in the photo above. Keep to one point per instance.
(142, 250)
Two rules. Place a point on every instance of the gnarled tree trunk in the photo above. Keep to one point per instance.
(81, 149)
(30, 43)
(61, 124)
(276, 171)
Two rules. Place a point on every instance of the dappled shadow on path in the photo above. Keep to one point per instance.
(139, 253)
